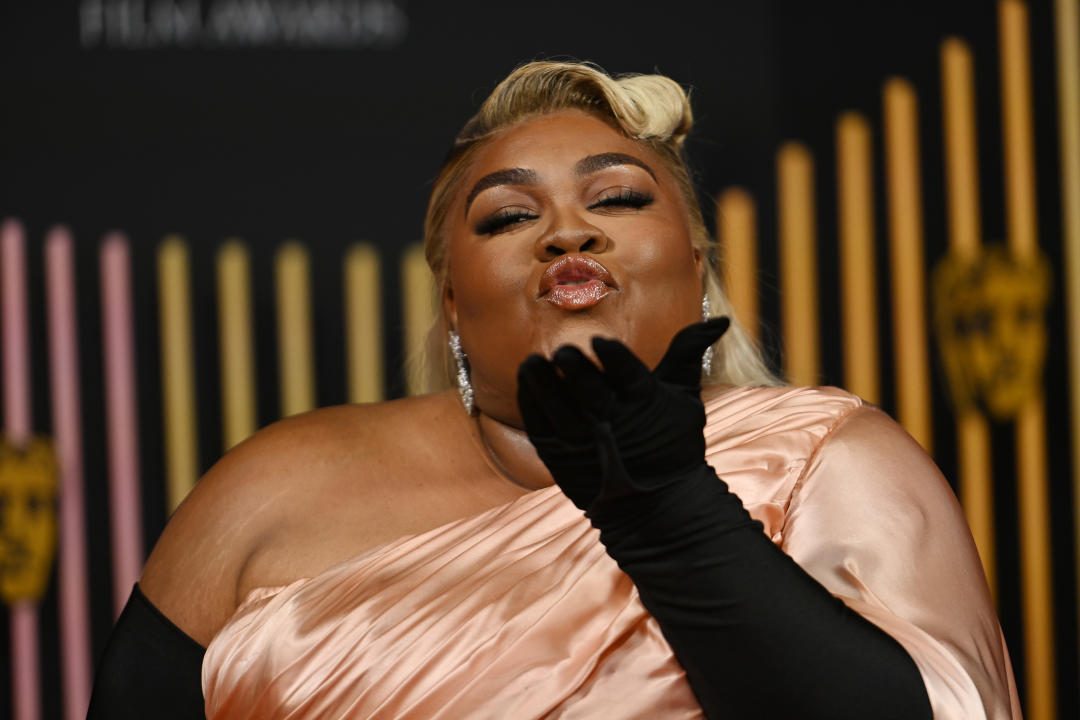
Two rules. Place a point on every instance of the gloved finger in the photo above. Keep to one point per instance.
(616, 481)
(622, 368)
(585, 380)
(537, 422)
(681, 364)
(548, 408)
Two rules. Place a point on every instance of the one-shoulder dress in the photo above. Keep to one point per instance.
(519, 613)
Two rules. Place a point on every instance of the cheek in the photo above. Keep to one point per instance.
(666, 293)
(664, 263)
(486, 289)
(491, 304)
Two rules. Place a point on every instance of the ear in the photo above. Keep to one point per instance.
(448, 304)
(699, 263)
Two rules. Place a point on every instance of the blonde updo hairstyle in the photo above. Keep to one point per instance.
(652, 109)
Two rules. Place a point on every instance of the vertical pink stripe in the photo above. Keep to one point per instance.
(16, 338)
(25, 680)
(67, 427)
(121, 417)
(25, 673)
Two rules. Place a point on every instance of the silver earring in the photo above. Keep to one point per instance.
(706, 358)
(461, 362)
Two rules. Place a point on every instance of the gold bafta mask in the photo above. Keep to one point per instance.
(27, 519)
(989, 316)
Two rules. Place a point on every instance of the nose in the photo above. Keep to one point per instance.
(568, 238)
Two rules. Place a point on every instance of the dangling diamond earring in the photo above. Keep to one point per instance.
(706, 358)
(461, 362)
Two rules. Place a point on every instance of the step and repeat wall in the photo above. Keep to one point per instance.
(210, 214)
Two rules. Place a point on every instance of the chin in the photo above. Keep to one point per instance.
(580, 335)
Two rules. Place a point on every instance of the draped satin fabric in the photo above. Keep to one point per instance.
(519, 613)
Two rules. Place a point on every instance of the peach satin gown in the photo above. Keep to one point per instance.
(519, 613)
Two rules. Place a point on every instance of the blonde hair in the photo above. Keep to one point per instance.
(652, 109)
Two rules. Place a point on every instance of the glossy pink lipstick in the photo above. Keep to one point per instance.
(576, 282)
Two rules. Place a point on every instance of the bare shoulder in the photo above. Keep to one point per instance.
(291, 481)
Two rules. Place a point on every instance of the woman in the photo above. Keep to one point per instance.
(429, 557)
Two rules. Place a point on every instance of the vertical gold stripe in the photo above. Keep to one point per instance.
(295, 352)
(798, 264)
(363, 324)
(961, 159)
(736, 222)
(855, 197)
(1068, 65)
(177, 370)
(235, 331)
(1036, 589)
(419, 305)
(906, 252)
(1020, 211)
(962, 185)
(976, 491)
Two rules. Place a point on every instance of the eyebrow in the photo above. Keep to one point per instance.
(524, 176)
(509, 176)
(596, 163)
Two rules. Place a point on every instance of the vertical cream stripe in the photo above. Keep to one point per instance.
(736, 224)
(363, 324)
(419, 305)
(798, 264)
(906, 252)
(858, 302)
(1067, 25)
(296, 366)
(962, 189)
(235, 332)
(1032, 496)
(177, 370)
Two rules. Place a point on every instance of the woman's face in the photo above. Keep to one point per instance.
(564, 229)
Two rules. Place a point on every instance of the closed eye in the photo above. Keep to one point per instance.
(625, 198)
(503, 219)
(507, 217)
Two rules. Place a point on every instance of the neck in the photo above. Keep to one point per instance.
(512, 454)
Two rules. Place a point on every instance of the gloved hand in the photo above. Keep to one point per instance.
(609, 433)
(626, 445)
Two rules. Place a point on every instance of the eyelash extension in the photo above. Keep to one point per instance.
(500, 220)
(625, 198)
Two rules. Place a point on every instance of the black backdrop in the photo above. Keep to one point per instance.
(264, 119)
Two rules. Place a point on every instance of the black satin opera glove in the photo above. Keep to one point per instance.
(150, 669)
(756, 635)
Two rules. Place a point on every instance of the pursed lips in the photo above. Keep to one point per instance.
(576, 282)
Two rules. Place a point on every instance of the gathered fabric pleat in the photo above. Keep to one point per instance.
(519, 613)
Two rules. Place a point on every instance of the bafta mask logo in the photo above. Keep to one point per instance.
(989, 316)
(27, 519)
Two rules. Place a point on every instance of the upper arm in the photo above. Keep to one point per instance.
(193, 571)
(874, 521)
